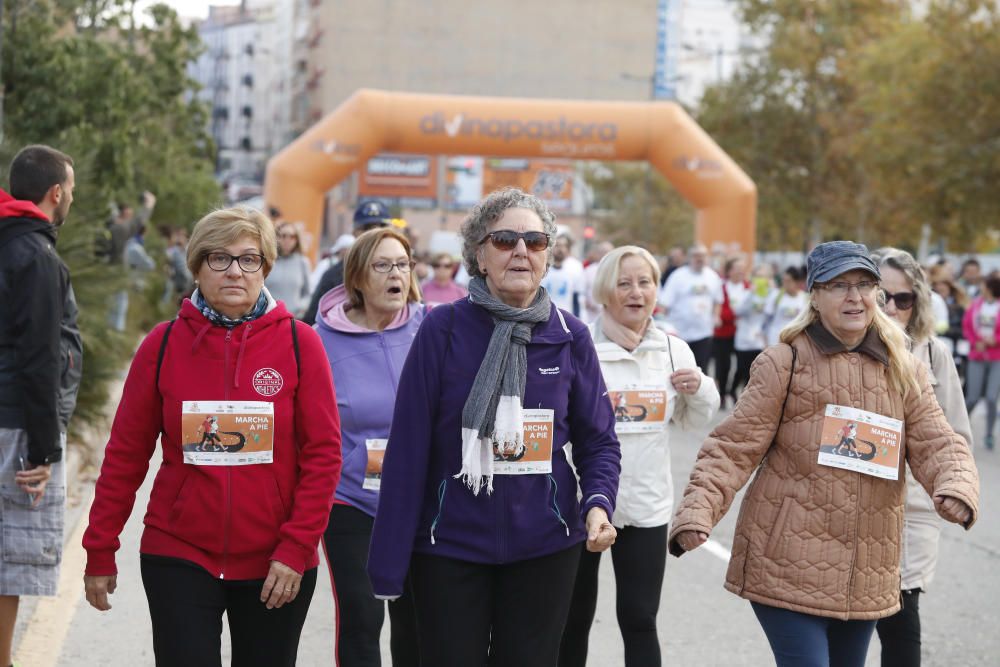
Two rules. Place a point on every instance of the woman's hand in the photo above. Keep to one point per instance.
(281, 585)
(686, 380)
(689, 540)
(600, 533)
(98, 588)
(952, 509)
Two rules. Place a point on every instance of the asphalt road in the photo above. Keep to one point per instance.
(699, 622)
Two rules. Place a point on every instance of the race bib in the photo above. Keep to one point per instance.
(534, 457)
(227, 433)
(866, 442)
(640, 409)
(373, 473)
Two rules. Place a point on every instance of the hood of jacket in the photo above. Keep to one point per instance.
(19, 217)
(210, 339)
(333, 307)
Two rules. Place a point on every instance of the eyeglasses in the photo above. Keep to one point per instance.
(506, 239)
(221, 261)
(447, 265)
(404, 266)
(904, 300)
(286, 236)
(841, 289)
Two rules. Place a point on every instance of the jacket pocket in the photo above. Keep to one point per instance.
(32, 535)
(198, 511)
(777, 535)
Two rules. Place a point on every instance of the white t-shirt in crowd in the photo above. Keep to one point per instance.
(690, 299)
(750, 319)
(591, 309)
(986, 319)
(565, 282)
(782, 308)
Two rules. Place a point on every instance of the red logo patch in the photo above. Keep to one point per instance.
(267, 382)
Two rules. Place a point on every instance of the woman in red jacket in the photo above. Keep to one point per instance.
(231, 528)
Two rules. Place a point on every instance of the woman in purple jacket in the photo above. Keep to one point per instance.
(478, 501)
(367, 325)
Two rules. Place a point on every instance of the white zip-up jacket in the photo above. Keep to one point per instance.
(645, 489)
(921, 523)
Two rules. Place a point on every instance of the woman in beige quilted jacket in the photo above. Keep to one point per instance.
(817, 541)
(907, 299)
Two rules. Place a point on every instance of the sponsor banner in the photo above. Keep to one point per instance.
(550, 180)
(463, 182)
(399, 177)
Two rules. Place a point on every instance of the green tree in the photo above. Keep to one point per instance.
(932, 92)
(636, 205)
(789, 115)
(89, 78)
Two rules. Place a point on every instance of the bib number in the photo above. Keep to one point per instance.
(373, 472)
(534, 455)
(866, 442)
(227, 433)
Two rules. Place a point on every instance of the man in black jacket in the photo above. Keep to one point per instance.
(40, 364)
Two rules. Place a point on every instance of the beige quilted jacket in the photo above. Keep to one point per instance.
(812, 538)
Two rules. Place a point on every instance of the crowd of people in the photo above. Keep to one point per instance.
(465, 449)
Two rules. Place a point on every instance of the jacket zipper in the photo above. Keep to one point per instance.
(502, 508)
(388, 363)
(229, 479)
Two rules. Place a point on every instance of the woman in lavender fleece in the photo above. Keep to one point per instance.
(478, 502)
(367, 325)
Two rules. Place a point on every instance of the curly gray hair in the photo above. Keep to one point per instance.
(491, 209)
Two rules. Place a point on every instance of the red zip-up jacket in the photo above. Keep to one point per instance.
(231, 520)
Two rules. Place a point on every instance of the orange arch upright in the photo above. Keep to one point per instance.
(373, 121)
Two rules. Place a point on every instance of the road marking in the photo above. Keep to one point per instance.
(42, 642)
(717, 550)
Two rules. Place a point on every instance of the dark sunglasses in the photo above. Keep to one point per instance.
(904, 300)
(506, 239)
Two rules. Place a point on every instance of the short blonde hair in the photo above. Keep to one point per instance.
(359, 258)
(610, 268)
(224, 226)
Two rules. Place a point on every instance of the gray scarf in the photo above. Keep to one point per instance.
(492, 416)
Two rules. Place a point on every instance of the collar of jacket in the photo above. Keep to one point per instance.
(827, 343)
(653, 340)
(554, 331)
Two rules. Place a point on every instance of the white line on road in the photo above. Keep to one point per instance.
(717, 550)
(43, 638)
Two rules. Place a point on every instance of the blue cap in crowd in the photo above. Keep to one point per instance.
(829, 260)
(371, 213)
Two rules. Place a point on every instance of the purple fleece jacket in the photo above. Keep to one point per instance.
(366, 366)
(526, 516)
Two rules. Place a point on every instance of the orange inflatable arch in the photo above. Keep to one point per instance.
(374, 121)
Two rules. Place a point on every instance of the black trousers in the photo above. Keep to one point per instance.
(186, 604)
(744, 359)
(359, 614)
(702, 352)
(900, 633)
(722, 354)
(510, 615)
(639, 556)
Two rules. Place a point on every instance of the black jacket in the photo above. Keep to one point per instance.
(41, 353)
(331, 278)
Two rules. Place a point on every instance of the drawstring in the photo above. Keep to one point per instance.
(555, 505)
(239, 357)
(201, 334)
(441, 490)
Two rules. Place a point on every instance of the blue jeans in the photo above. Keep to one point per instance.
(804, 640)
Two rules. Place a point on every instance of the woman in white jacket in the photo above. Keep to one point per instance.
(907, 299)
(652, 379)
